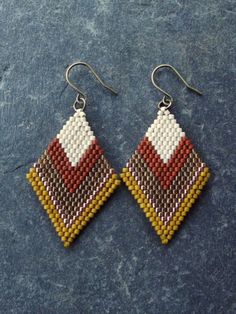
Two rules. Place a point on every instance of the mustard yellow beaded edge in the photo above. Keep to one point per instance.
(165, 232)
(68, 235)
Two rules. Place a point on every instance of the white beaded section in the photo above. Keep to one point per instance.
(76, 136)
(165, 134)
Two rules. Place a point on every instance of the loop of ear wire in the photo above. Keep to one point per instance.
(79, 103)
(164, 103)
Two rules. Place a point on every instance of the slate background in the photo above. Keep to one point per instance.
(118, 264)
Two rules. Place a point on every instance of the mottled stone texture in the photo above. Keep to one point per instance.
(118, 264)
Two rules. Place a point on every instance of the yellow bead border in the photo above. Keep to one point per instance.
(68, 235)
(165, 232)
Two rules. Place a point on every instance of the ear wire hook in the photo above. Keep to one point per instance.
(168, 99)
(81, 97)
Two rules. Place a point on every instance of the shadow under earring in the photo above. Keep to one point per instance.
(165, 174)
(72, 178)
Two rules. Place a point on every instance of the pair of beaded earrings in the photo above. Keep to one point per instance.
(73, 179)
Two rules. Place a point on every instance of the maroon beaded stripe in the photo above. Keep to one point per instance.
(165, 172)
(73, 176)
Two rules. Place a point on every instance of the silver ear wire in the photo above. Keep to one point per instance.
(168, 99)
(80, 101)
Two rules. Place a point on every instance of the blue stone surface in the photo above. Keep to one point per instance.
(118, 264)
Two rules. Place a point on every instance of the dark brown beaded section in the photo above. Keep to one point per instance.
(166, 203)
(71, 205)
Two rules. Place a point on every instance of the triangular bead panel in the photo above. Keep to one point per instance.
(165, 175)
(72, 178)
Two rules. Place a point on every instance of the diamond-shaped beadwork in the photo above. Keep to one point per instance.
(165, 175)
(72, 178)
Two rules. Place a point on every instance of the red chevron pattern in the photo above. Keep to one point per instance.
(73, 175)
(161, 169)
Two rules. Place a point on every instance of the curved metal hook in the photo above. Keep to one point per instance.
(168, 99)
(81, 95)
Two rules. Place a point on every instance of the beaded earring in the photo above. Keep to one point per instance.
(165, 174)
(72, 178)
